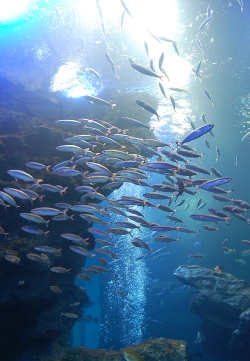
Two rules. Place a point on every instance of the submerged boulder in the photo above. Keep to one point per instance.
(156, 349)
(223, 301)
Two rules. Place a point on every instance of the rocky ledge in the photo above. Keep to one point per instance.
(223, 301)
(156, 349)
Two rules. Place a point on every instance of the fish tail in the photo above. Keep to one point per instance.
(72, 217)
(41, 198)
(38, 181)
(47, 168)
(113, 105)
(63, 190)
(65, 212)
(46, 233)
(47, 223)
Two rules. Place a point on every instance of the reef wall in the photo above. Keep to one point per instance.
(30, 312)
(223, 301)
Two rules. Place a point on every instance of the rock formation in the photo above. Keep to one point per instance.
(30, 313)
(157, 349)
(223, 301)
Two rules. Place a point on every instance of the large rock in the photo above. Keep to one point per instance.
(223, 301)
(156, 349)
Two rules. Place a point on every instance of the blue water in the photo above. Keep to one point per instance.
(43, 53)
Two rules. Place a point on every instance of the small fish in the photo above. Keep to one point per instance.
(103, 29)
(241, 261)
(218, 153)
(180, 203)
(172, 101)
(224, 242)
(247, 135)
(103, 261)
(241, 5)
(146, 47)
(222, 198)
(81, 251)
(197, 69)
(74, 304)
(199, 45)
(130, 355)
(114, 71)
(35, 165)
(162, 90)
(196, 133)
(198, 203)
(94, 72)
(48, 249)
(207, 144)
(202, 205)
(197, 168)
(20, 174)
(229, 251)
(204, 23)
(69, 315)
(234, 209)
(245, 253)
(107, 252)
(214, 182)
(55, 289)
(153, 36)
(152, 65)
(208, 218)
(34, 230)
(125, 8)
(196, 255)
(181, 90)
(85, 277)
(211, 132)
(192, 124)
(216, 172)
(147, 107)
(161, 61)
(209, 96)
(241, 217)
(176, 48)
(12, 259)
(141, 69)
(122, 18)
(136, 123)
(58, 13)
(203, 118)
(165, 73)
(96, 100)
(34, 218)
(237, 160)
(210, 228)
(60, 270)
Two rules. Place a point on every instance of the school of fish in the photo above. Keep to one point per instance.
(99, 160)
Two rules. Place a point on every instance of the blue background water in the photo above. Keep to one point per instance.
(36, 50)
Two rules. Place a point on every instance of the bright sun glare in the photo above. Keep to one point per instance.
(159, 17)
(12, 9)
